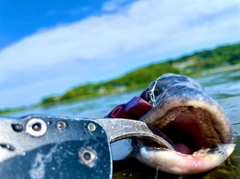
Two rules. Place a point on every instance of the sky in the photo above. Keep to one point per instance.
(50, 46)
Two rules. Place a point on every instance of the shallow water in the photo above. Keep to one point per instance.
(223, 87)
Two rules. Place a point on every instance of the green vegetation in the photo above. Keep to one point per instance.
(133, 80)
(209, 59)
(190, 65)
(10, 110)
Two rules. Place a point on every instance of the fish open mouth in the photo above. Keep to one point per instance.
(188, 128)
(198, 128)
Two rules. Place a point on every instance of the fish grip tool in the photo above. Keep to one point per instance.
(39, 146)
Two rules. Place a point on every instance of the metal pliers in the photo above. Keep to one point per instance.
(40, 146)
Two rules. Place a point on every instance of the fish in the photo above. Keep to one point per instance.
(192, 120)
(196, 125)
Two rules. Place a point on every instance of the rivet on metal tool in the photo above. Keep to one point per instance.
(87, 156)
(61, 125)
(17, 127)
(91, 127)
(36, 127)
(7, 146)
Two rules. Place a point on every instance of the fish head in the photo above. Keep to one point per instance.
(195, 123)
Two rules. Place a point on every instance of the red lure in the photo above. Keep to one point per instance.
(133, 109)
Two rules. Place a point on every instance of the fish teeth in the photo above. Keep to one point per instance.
(170, 116)
(202, 118)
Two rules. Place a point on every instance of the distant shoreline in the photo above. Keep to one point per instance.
(220, 59)
(221, 69)
(205, 72)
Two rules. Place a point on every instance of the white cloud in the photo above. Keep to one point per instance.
(112, 5)
(141, 32)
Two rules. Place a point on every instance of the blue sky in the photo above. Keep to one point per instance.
(48, 47)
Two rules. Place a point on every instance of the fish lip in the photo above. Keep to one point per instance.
(167, 160)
